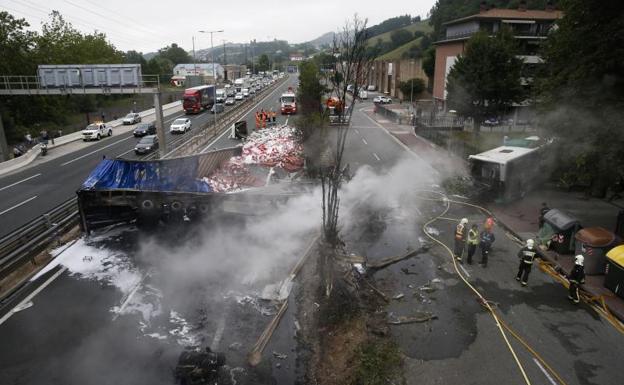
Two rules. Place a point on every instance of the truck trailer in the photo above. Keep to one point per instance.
(198, 98)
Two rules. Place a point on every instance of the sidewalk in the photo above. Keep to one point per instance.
(32, 154)
(521, 217)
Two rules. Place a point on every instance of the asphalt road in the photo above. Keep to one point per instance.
(88, 329)
(50, 181)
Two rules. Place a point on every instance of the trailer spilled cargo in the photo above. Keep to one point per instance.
(247, 180)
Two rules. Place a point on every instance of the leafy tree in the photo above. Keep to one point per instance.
(485, 80)
(400, 37)
(16, 46)
(412, 87)
(263, 63)
(389, 25)
(582, 91)
(310, 89)
(134, 57)
(428, 63)
(174, 54)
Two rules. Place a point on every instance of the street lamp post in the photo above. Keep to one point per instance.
(412, 85)
(214, 75)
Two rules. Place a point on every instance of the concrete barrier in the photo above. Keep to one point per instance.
(24, 160)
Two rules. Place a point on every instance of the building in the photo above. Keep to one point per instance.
(386, 75)
(530, 28)
(234, 71)
(296, 56)
(198, 69)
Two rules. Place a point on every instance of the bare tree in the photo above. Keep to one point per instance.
(350, 69)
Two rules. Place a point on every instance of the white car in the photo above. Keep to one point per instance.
(131, 118)
(245, 92)
(229, 101)
(382, 99)
(180, 125)
(96, 131)
(238, 96)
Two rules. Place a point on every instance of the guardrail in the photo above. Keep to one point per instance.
(25, 243)
(208, 131)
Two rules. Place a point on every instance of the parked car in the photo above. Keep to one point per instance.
(377, 99)
(147, 144)
(217, 108)
(238, 96)
(385, 99)
(491, 122)
(371, 87)
(131, 118)
(230, 101)
(350, 88)
(180, 125)
(363, 94)
(145, 129)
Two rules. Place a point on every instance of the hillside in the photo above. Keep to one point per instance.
(325, 39)
(397, 53)
(422, 26)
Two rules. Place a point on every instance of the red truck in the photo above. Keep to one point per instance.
(198, 98)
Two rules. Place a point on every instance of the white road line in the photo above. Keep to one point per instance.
(169, 120)
(539, 365)
(218, 333)
(32, 295)
(356, 130)
(376, 157)
(215, 140)
(365, 142)
(464, 270)
(93, 152)
(17, 205)
(16, 183)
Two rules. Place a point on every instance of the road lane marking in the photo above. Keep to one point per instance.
(93, 152)
(215, 140)
(356, 130)
(17, 205)
(124, 153)
(464, 270)
(18, 182)
(365, 142)
(376, 157)
(539, 365)
(219, 333)
(31, 295)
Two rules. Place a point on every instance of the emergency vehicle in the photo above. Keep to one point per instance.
(288, 103)
(96, 131)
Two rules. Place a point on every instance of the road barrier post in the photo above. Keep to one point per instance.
(160, 128)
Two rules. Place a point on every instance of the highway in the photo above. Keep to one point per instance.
(53, 179)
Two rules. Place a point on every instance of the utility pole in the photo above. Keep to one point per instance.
(412, 85)
(225, 74)
(4, 148)
(214, 73)
(194, 57)
(251, 42)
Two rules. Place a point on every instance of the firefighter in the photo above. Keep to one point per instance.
(257, 120)
(527, 256)
(486, 239)
(473, 241)
(263, 116)
(460, 238)
(576, 277)
(273, 116)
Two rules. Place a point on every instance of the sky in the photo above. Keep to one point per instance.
(146, 26)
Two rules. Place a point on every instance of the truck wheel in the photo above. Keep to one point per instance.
(176, 206)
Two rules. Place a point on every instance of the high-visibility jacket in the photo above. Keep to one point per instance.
(473, 237)
(460, 232)
(527, 255)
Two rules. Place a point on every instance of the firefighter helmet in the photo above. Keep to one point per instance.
(579, 259)
(463, 221)
(530, 243)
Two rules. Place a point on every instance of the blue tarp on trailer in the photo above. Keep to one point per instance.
(173, 175)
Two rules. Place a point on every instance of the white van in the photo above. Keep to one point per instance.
(363, 94)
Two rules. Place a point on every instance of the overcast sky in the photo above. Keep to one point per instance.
(148, 25)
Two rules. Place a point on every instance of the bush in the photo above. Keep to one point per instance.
(377, 362)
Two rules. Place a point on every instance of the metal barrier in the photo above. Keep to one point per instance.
(25, 243)
(227, 119)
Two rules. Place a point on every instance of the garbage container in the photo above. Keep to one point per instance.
(614, 273)
(563, 227)
(593, 243)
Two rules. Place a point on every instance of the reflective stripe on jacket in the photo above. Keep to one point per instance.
(473, 237)
(527, 255)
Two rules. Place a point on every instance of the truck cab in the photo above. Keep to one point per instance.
(288, 102)
(96, 131)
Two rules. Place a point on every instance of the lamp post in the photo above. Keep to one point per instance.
(412, 85)
(214, 74)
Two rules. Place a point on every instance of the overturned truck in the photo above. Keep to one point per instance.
(243, 180)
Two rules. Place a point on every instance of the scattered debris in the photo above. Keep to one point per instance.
(359, 268)
(377, 291)
(427, 289)
(436, 280)
(279, 356)
(432, 231)
(391, 260)
(235, 346)
(297, 326)
(421, 317)
(87, 258)
(399, 296)
(405, 270)
(278, 365)
(277, 291)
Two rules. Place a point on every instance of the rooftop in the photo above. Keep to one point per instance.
(515, 14)
(502, 154)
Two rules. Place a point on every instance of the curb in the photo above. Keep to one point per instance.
(32, 154)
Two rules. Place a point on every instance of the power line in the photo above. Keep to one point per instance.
(98, 14)
(115, 13)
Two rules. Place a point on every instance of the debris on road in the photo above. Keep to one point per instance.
(377, 291)
(359, 268)
(279, 356)
(419, 318)
(407, 271)
(391, 260)
(235, 346)
(399, 296)
(432, 231)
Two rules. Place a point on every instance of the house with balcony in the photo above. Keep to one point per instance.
(529, 26)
